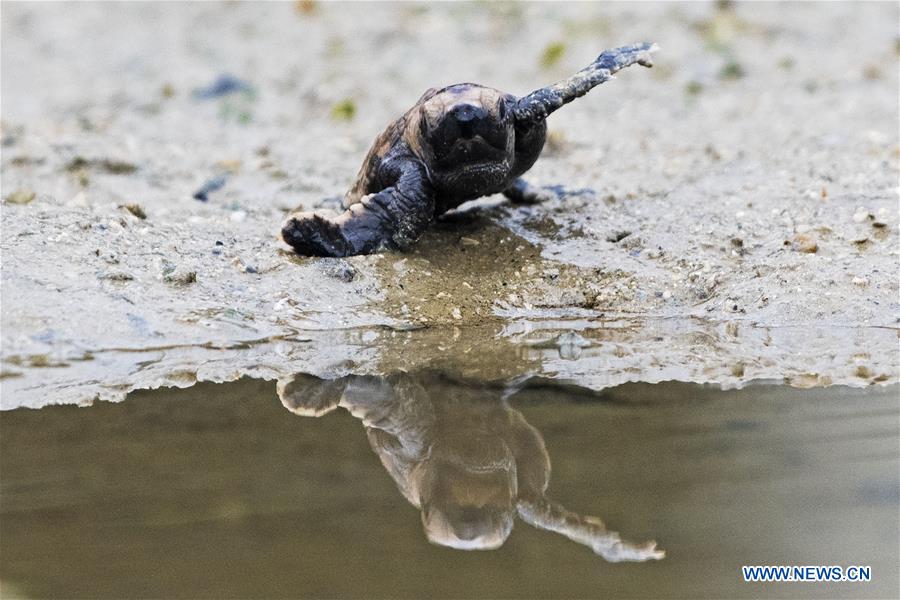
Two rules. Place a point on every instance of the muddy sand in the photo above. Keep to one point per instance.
(729, 216)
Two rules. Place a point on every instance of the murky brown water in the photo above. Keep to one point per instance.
(219, 491)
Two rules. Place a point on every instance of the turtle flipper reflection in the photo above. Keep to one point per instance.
(309, 396)
(590, 531)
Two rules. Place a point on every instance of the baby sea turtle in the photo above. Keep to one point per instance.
(456, 144)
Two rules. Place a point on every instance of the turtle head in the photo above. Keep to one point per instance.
(467, 136)
(468, 494)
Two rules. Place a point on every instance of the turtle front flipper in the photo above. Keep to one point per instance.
(537, 105)
(393, 218)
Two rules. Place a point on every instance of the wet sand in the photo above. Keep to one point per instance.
(742, 192)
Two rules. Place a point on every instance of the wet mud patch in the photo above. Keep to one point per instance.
(472, 270)
(457, 271)
(228, 491)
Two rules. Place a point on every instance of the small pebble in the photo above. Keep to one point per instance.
(860, 281)
(136, 210)
(171, 273)
(230, 165)
(344, 110)
(223, 85)
(116, 276)
(552, 53)
(21, 196)
(457, 314)
(181, 278)
(108, 165)
(872, 72)
(212, 185)
(338, 269)
(617, 236)
(805, 243)
(860, 215)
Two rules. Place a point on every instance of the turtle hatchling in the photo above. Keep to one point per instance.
(456, 144)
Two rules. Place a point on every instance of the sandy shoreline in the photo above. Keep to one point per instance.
(746, 184)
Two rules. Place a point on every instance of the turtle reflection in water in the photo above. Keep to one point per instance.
(461, 455)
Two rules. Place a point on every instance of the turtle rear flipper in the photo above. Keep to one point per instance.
(522, 192)
(310, 234)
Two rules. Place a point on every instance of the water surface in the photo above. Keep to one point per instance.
(219, 491)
